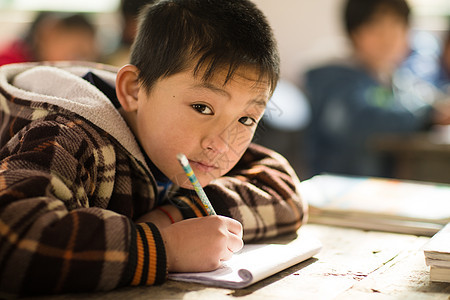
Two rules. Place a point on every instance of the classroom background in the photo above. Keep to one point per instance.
(309, 33)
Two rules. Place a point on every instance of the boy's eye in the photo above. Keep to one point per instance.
(203, 109)
(247, 121)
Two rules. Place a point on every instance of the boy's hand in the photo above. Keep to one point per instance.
(201, 244)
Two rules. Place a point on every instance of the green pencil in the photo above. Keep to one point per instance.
(197, 187)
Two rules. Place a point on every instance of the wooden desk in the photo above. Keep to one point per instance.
(353, 264)
(420, 156)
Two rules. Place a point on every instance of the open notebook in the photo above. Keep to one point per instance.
(254, 263)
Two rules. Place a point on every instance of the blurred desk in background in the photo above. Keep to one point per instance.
(421, 156)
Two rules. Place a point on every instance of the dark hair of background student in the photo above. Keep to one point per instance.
(360, 12)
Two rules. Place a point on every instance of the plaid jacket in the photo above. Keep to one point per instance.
(73, 179)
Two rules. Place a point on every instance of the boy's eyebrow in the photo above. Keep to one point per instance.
(217, 90)
(213, 88)
(259, 102)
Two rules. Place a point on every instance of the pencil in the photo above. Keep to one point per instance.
(197, 187)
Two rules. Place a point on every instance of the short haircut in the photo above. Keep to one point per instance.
(207, 35)
(360, 12)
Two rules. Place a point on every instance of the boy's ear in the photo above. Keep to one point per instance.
(127, 87)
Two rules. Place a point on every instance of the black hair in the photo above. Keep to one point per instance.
(360, 12)
(174, 34)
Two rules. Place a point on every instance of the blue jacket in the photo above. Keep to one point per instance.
(349, 107)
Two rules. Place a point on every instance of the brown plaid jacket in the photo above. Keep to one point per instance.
(70, 189)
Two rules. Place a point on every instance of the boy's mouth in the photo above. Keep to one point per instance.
(202, 166)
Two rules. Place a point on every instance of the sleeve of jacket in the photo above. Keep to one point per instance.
(262, 192)
(51, 240)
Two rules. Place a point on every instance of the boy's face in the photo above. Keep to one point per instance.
(382, 43)
(211, 123)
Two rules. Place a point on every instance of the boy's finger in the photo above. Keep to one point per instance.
(234, 227)
(235, 243)
(227, 255)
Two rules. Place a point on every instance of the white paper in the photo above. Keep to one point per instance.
(254, 263)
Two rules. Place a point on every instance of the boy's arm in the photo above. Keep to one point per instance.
(51, 240)
(262, 192)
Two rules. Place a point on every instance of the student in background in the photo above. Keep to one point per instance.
(92, 196)
(357, 99)
(53, 36)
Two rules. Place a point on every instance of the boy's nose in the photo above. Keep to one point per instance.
(218, 143)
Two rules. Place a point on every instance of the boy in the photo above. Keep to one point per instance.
(354, 100)
(92, 196)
